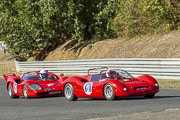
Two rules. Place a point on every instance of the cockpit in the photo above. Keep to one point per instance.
(110, 74)
(36, 76)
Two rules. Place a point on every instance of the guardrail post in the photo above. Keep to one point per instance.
(17, 65)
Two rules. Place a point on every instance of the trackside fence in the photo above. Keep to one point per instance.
(161, 68)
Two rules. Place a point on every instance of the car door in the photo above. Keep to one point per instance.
(96, 89)
(91, 88)
(82, 86)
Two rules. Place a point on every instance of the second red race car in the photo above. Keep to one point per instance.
(109, 84)
(33, 84)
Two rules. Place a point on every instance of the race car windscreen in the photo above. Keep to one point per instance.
(115, 74)
(38, 76)
(121, 74)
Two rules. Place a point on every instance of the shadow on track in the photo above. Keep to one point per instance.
(127, 98)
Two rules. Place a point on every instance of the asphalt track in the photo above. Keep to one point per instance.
(165, 105)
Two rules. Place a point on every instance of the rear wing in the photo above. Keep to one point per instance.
(6, 76)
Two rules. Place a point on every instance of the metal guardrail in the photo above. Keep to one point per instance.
(161, 68)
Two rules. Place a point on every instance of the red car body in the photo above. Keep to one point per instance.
(121, 86)
(30, 85)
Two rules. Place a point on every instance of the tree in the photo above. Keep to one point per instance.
(135, 17)
(32, 27)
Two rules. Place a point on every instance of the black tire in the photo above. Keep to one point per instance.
(149, 96)
(69, 92)
(10, 92)
(25, 93)
(109, 92)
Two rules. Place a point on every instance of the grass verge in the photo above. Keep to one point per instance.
(170, 84)
(7, 67)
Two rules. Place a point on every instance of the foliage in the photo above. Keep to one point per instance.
(137, 17)
(32, 27)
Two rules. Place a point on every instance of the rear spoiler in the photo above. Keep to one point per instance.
(6, 76)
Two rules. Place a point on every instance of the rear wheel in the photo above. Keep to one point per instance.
(69, 92)
(25, 92)
(149, 96)
(109, 92)
(10, 92)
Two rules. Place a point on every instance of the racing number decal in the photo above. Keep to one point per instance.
(88, 88)
(15, 87)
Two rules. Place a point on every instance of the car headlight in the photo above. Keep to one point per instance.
(35, 87)
(125, 89)
(156, 84)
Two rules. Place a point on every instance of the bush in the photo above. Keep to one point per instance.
(137, 17)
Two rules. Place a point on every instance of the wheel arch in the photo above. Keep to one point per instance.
(113, 96)
(27, 94)
(72, 96)
(64, 86)
(112, 84)
(72, 80)
(7, 85)
(9, 82)
(117, 87)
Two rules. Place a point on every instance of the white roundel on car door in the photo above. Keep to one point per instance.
(15, 87)
(88, 88)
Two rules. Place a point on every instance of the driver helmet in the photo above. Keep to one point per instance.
(109, 73)
(43, 74)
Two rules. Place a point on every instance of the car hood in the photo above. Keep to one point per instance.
(134, 82)
(46, 84)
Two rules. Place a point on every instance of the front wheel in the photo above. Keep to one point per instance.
(25, 92)
(10, 92)
(69, 92)
(109, 92)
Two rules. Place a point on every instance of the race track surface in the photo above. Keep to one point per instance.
(165, 105)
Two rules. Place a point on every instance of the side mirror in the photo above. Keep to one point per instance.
(61, 74)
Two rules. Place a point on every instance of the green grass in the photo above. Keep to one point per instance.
(170, 84)
(7, 67)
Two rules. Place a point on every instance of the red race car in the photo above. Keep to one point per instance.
(33, 84)
(109, 84)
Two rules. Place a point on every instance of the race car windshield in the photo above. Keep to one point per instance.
(115, 74)
(38, 76)
(123, 74)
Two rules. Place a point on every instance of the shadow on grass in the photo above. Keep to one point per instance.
(77, 47)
